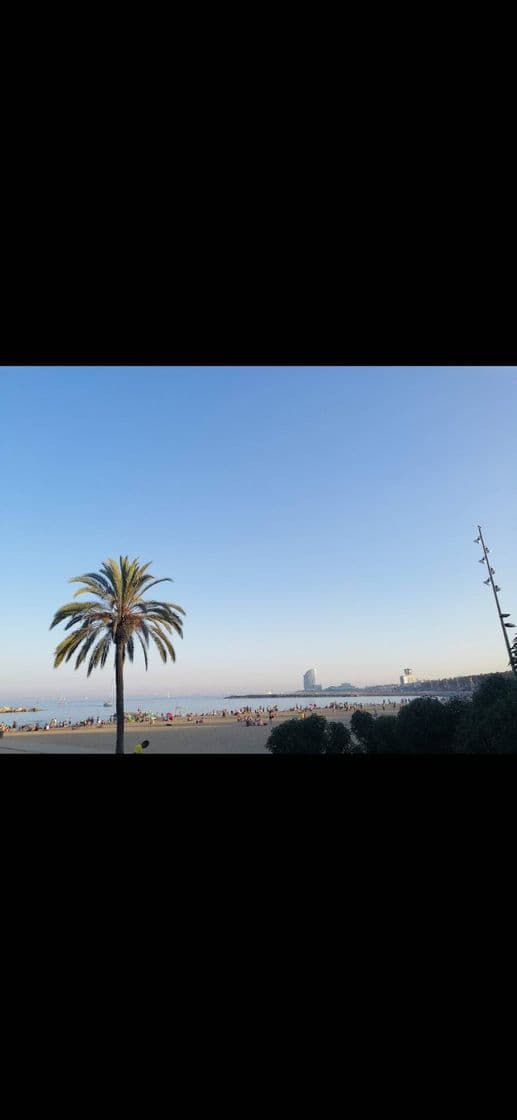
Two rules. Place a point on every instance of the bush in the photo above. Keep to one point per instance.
(492, 690)
(362, 724)
(426, 727)
(423, 727)
(338, 738)
(384, 738)
(315, 735)
(493, 732)
(490, 723)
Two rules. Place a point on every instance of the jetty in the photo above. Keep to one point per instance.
(4, 711)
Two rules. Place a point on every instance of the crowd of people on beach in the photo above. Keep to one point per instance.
(251, 717)
(381, 705)
(57, 724)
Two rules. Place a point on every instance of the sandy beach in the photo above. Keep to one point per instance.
(216, 735)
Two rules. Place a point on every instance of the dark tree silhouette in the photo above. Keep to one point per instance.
(384, 739)
(315, 735)
(362, 725)
(424, 727)
(490, 722)
(491, 690)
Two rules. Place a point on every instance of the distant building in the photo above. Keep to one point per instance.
(309, 680)
(344, 687)
(407, 677)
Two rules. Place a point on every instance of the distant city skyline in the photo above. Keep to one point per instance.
(369, 566)
(92, 691)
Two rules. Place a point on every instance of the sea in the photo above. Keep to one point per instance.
(77, 710)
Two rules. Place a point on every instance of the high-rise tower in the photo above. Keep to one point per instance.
(309, 680)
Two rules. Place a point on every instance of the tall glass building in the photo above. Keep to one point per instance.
(309, 680)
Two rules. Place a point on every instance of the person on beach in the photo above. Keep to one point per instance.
(141, 747)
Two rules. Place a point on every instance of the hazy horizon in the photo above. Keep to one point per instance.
(91, 690)
(308, 517)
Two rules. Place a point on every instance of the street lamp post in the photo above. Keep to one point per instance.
(505, 626)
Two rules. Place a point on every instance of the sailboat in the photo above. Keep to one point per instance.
(110, 703)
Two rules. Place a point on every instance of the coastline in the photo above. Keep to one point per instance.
(17, 711)
(215, 735)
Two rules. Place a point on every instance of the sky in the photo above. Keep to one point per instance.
(308, 516)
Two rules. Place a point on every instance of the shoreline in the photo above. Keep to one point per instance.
(212, 735)
(141, 726)
(18, 711)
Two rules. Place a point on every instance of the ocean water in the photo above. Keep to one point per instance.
(77, 710)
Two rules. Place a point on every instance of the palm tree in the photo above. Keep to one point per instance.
(117, 615)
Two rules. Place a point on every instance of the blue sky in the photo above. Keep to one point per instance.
(309, 517)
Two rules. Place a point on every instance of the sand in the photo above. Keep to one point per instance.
(215, 736)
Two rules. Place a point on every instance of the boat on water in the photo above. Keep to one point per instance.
(110, 703)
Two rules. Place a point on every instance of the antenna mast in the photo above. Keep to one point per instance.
(505, 626)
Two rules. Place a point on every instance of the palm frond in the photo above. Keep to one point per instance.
(88, 642)
(159, 645)
(99, 655)
(146, 586)
(65, 650)
(165, 625)
(142, 629)
(118, 612)
(111, 571)
(144, 650)
(161, 604)
(163, 643)
(71, 609)
(141, 586)
(94, 582)
(89, 618)
(168, 621)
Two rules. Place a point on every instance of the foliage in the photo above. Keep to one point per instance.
(118, 613)
(487, 724)
(427, 726)
(423, 727)
(116, 616)
(494, 688)
(315, 735)
(338, 739)
(384, 737)
(362, 724)
(490, 726)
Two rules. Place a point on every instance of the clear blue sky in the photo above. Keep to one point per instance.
(309, 517)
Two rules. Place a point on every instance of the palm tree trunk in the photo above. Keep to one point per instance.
(119, 685)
